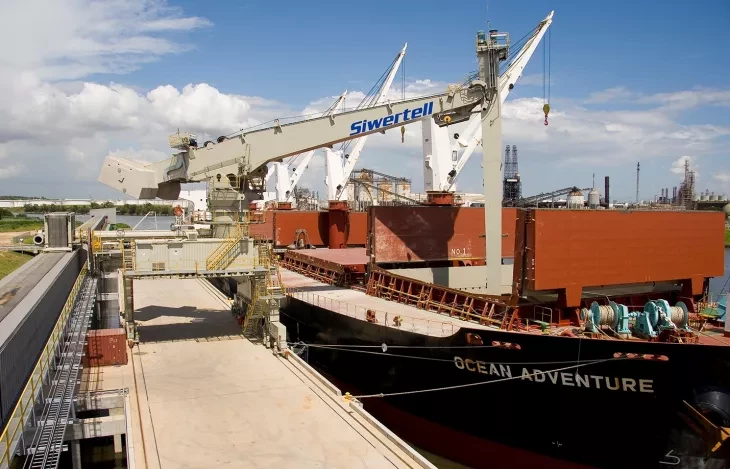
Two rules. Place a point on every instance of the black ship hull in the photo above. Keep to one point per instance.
(526, 400)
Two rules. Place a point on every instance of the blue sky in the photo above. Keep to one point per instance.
(665, 66)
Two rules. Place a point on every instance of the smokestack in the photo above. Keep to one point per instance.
(637, 183)
(608, 198)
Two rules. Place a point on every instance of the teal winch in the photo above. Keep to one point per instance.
(659, 316)
(613, 315)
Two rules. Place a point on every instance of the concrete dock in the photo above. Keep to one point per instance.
(204, 396)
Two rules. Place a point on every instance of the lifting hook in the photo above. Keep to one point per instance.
(546, 110)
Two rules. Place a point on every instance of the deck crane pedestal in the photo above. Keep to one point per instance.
(238, 163)
(443, 160)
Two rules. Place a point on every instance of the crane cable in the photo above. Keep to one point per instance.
(546, 53)
(403, 97)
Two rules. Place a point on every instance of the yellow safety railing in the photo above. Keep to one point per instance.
(22, 411)
(127, 255)
(221, 257)
(255, 309)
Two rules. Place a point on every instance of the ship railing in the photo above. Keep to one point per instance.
(389, 319)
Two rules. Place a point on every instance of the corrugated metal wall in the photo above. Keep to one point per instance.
(21, 351)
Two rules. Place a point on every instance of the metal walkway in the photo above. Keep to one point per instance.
(47, 443)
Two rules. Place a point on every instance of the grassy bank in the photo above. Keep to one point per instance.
(9, 261)
(20, 224)
(727, 237)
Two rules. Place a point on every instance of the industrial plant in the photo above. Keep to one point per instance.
(378, 327)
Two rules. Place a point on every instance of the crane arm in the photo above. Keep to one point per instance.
(470, 138)
(351, 161)
(284, 182)
(247, 153)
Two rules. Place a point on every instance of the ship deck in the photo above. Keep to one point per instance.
(356, 304)
(354, 258)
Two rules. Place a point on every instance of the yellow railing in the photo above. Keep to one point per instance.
(255, 308)
(127, 257)
(220, 258)
(22, 411)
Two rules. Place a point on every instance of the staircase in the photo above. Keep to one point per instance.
(128, 255)
(257, 310)
(226, 252)
(263, 289)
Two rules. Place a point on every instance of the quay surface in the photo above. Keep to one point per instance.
(204, 396)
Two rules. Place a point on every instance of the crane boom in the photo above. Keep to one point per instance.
(284, 182)
(246, 154)
(337, 172)
(439, 156)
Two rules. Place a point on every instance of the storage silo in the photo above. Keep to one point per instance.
(594, 199)
(576, 199)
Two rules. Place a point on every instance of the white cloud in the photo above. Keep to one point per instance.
(11, 171)
(679, 164)
(722, 177)
(579, 135)
(688, 99)
(66, 39)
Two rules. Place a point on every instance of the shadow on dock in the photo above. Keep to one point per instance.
(164, 324)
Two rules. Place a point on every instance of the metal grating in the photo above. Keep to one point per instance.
(57, 230)
(47, 443)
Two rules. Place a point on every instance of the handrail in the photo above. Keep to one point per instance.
(24, 408)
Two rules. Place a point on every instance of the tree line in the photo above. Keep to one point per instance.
(125, 209)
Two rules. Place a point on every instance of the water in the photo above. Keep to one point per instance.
(720, 284)
(150, 223)
(163, 222)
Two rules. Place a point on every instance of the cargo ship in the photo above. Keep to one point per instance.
(594, 356)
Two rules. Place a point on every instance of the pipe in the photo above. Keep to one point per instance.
(39, 238)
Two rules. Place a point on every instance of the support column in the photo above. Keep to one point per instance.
(492, 48)
(118, 444)
(492, 163)
(76, 454)
(338, 224)
(117, 411)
